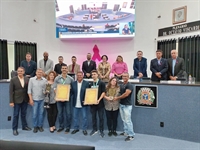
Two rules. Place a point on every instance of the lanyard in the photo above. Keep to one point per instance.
(96, 84)
(63, 81)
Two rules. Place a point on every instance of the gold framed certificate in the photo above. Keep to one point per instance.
(62, 92)
(91, 96)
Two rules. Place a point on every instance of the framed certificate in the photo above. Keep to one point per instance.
(91, 96)
(62, 92)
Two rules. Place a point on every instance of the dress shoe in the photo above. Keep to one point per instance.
(84, 132)
(27, 128)
(35, 130)
(110, 133)
(61, 129)
(67, 131)
(15, 132)
(74, 131)
(114, 133)
(40, 129)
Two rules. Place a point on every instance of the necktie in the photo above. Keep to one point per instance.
(73, 68)
(173, 65)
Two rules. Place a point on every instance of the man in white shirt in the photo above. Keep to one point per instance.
(78, 89)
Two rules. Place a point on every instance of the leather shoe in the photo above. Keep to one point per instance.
(67, 130)
(35, 130)
(15, 132)
(84, 132)
(40, 129)
(59, 130)
(27, 128)
(74, 131)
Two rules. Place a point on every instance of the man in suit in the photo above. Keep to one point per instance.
(140, 66)
(29, 65)
(58, 66)
(176, 66)
(46, 64)
(74, 67)
(19, 99)
(78, 89)
(159, 67)
(88, 66)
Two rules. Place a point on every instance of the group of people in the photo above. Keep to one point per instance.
(30, 86)
(25, 89)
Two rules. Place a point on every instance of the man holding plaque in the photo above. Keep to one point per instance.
(99, 106)
(78, 89)
(63, 102)
(126, 89)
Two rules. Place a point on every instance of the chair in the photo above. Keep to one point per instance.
(13, 73)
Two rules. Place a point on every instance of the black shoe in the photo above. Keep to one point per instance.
(51, 131)
(35, 130)
(67, 131)
(55, 129)
(27, 128)
(110, 133)
(93, 132)
(40, 129)
(129, 138)
(84, 132)
(15, 132)
(114, 133)
(61, 129)
(74, 131)
(101, 134)
(124, 134)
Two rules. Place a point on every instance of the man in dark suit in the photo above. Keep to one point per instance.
(78, 89)
(29, 65)
(176, 66)
(88, 66)
(19, 99)
(159, 67)
(140, 66)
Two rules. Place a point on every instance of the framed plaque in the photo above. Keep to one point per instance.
(91, 96)
(62, 92)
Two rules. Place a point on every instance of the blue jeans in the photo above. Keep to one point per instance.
(64, 108)
(84, 112)
(125, 113)
(17, 107)
(38, 113)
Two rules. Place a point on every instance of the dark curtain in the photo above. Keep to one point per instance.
(166, 46)
(189, 49)
(3, 59)
(21, 48)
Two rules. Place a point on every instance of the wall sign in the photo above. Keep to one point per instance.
(183, 28)
(146, 96)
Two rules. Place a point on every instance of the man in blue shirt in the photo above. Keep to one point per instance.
(126, 30)
(29, 65)
(36, 88)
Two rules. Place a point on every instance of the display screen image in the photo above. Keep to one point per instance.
(90, 19)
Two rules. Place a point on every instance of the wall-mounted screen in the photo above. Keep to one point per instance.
(95, 19)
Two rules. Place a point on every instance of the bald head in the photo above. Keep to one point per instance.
(174, 54)
(46, 55)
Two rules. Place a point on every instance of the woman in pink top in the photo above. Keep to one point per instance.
(119, 67)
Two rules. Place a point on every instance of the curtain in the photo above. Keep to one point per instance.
(189, 50)
(21, 48)
(3, 60)
(166, 46)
